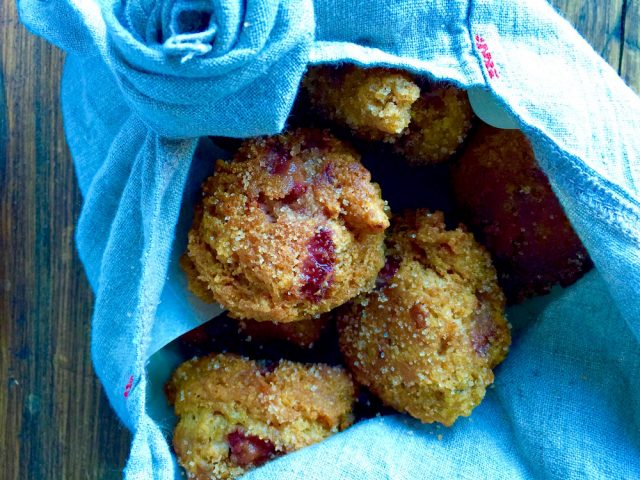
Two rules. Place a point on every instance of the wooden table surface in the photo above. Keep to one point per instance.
(55, 421)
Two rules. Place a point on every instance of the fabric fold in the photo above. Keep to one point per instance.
(145, 79)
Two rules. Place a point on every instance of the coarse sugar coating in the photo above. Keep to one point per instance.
(375, 103)
(235, 413)
(440, 122)
(198, 287)
(508, 201)
(426, 340)
(303, 333)
(289, 229)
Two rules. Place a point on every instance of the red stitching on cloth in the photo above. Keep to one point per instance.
(127, 388)
(483, 48)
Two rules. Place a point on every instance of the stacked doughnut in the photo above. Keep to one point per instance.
(293, 237)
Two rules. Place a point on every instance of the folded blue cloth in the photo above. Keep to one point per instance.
(144, 79)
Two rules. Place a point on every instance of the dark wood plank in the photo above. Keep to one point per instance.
(54, 419)
(599, 22)
(630, 64)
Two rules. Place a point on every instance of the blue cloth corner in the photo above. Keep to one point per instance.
(145, 79)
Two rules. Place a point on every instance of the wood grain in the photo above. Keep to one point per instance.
(54, 419)
(630, 64)
(599, 22)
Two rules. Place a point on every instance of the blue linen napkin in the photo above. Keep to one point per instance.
(144, 79)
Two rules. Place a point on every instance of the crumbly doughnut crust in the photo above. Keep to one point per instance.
(235, 414)
(440, 122)
(426, 340)
(375, 103)
(289, 229)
